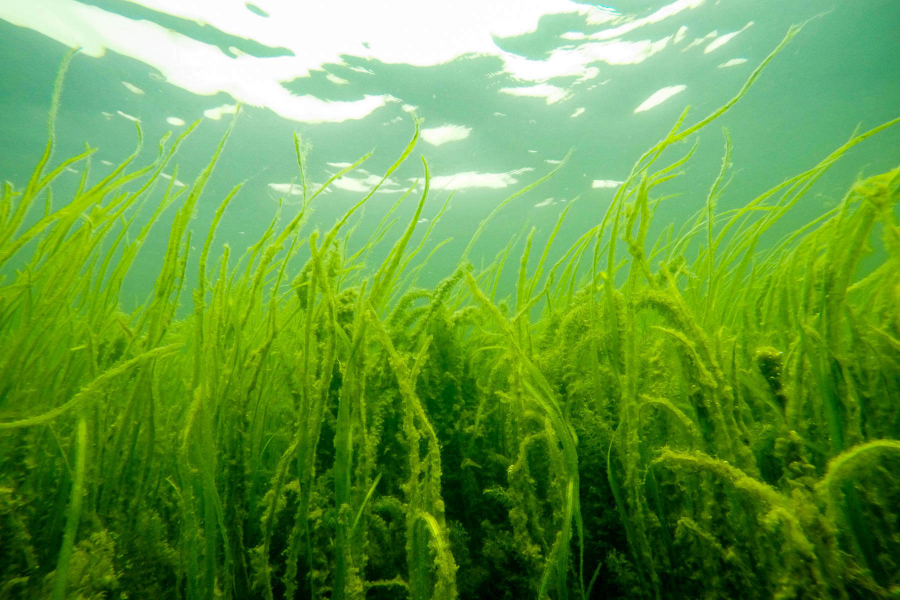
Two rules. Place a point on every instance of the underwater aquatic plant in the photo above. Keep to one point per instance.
(717, 426)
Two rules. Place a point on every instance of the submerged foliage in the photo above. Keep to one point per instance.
(634, 423)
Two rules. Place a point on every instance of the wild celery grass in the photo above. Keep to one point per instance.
(636, 424)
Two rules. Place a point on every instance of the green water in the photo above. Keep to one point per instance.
(686, 385)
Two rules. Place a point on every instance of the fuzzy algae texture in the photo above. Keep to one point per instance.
(632, 424)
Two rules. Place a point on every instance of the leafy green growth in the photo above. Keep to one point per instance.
(709, 415)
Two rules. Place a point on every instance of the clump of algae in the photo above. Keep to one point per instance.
(635, 424)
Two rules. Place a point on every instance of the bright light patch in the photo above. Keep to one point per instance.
(220, 111)
(550, 93)
(178, 182)
(605, 183)
(724, 39)
(697, 41)
(578, 112)
(288, 189)
(127, 116)
(363, 185)
(133, 88)
(447, 133)
(472, 179)
(659, 97)
(316, 35)
(621, 52)
(544, 203)
(732, 63)
(175, 121)
(203, 68)
(668, 11)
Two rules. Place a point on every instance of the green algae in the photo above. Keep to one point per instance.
(706, 417)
